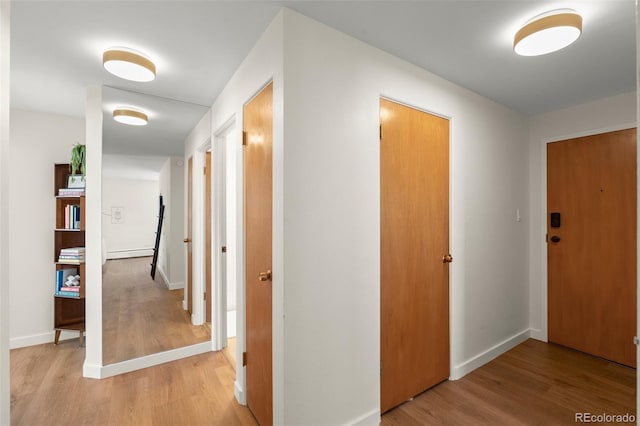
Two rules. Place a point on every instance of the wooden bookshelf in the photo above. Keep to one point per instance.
(69, 311)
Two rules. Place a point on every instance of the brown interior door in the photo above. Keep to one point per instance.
(258, 122)
(591, 183)
(414, 234)
(189, 238)
(207, 231)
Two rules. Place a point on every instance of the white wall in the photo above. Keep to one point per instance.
(331, 207)
(39, 140)
(171, 260)
(135, 234)
(604, 115)
(197, 143)
(326, 216)
(93, 235)
(4, 213)
(262, 64)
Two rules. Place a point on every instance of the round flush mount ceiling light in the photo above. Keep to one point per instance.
(129, 64)
(130, 116)
(548, 32)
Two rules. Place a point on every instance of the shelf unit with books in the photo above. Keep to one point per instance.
(68, 255)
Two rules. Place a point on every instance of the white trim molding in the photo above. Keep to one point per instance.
(372, 418)
(39, 339)
(129, 253)
(170, 285)
(461, 370)
(102, 372)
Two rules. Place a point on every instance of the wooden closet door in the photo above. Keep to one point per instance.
(414, 232)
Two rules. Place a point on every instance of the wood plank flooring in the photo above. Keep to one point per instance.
(535, 383)
(47, 388)
(230, 352)
(141, 316)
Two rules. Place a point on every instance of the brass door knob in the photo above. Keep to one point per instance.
(187, 240)
(265, 276)
(447, 258)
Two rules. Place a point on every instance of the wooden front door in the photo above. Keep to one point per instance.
(208, 188)
(258, 123)
(591, 244)
(189, 239)
(414, 234)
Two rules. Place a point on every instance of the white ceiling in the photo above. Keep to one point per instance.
(56, 52)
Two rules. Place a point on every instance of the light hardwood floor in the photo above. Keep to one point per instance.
(141, 316)
(47, 388)
(533, 384)
(230, 352)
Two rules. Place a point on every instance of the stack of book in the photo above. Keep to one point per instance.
(68, 282)
(71, 255)
(70, 192)
(72, 216)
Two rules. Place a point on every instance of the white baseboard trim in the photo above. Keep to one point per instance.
(539, 335)
(185, 306)
(39, 339)
(372, 418)
(125, 254)
(239, 393)
(91, 371)
(145, 361)
(170, 285)
(175, 286)
(461, 370)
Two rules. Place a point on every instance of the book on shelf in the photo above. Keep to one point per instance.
(72, 250)
(72, 255)
(70, 261)
(70, 192)
(80, 258)
(68, 294)
(62, 275)
(72, 216)
(73, 289)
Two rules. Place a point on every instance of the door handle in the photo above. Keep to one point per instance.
(555, 239)
(447, 258)
(265, 276)
(187, 240)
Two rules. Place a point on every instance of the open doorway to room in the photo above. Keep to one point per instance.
(225, 244)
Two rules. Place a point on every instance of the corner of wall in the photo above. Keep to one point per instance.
(93, 123)
(461, 370)
(4, 213)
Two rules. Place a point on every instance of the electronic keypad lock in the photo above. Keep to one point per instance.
(555, 220)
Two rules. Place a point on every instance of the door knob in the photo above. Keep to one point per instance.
(265, 276)
(555, 239)
(187, 240)
(447, 258)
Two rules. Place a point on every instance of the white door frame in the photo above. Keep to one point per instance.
(198, 241)
(219, 228)
(229, 231)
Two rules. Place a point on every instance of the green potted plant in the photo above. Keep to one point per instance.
(79, 159)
